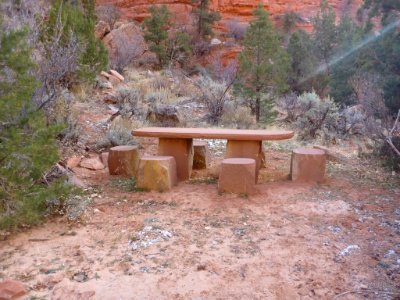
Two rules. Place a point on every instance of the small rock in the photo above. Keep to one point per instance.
(11, 289)
(105, 74)
(73, 162)
(117, 75)
(215, 42)
(93, 163)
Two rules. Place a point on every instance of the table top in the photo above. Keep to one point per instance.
(213, 133)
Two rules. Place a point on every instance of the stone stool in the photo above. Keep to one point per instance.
(123, 160)
(238, 175)
(201, 155)
(308, 165)
(157, 173)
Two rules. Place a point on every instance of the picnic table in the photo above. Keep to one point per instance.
(178, 142)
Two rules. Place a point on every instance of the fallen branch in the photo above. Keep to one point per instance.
(390, 135)
(363, 291)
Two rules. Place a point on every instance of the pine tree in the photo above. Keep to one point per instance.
(325, 34)
(303, 64)
(156, 33)
(263, 65)
(205, 18)
(27, 144)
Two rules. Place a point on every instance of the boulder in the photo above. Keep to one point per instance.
(308, 165)
(92, 163)
(73, 162)
(163, 115)
(201, 155)
(157, 173)
(116, 74)
(101, 29)
(215, 42)
(125, 43)
(238, 175)
(123, 160)
(105, 74)
(11, 289)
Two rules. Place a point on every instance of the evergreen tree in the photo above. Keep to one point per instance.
(325, 34)
(77, 20)
(156, 33)
(263, 65)
(304, 64)
(27, 144)
(349, 35)
(205, 18)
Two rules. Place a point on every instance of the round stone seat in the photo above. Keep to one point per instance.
(123, 160)
(308, 165)
(157, 173)
(237, 175)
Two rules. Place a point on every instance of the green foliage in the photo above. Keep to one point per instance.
(205, 18)
(316, 116)
(303, 64)
(156, 33)
(263, 65)
(77, 20)
(179, 47)
(325, 33)
(383, 8)
(27, 144)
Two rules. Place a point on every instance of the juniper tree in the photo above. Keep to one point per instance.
(156, 33)
(205, 18)
(27, 144)
(263, 65)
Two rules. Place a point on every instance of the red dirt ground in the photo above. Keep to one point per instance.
(337, 240)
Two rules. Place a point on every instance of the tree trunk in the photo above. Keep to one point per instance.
(258, 103)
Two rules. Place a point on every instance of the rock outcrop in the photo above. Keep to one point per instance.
(240, 10)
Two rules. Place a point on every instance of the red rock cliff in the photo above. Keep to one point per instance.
(240, 10)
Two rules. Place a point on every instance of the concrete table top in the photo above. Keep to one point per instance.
(213, 133)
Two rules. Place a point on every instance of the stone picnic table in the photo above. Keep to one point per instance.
(178, 142)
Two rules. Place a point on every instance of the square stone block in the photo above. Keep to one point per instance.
(157, 173)
(238, 175)
(308, 165)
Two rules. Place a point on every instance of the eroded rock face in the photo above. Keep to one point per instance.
(240, 10)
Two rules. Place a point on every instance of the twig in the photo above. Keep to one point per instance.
(365, 291)
(390, 135)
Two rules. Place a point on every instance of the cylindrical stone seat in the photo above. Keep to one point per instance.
(201, 155)
(237, 175)
(123, 160)
(157, 173)
(308, 165)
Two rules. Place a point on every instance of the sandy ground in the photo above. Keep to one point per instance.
(337, 240)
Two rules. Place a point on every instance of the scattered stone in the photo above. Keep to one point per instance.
(73, 162)
(101, 29)
(215, 42)
(105, 74)
(346, 251)
(11, 289)
(80, 277)
(117, 75)
(148, 236)
(92, 163)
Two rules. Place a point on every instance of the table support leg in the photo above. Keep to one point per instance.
(246, 149)
(182, 150)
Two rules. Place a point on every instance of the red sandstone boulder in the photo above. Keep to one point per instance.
(92, 163)
(11, 289)
(101, 29)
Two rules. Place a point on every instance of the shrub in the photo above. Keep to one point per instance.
(392, 159)
(120, 132)
(213, 95)
(108, 13)
(239, 117)
(236, 29)
(316, 116)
